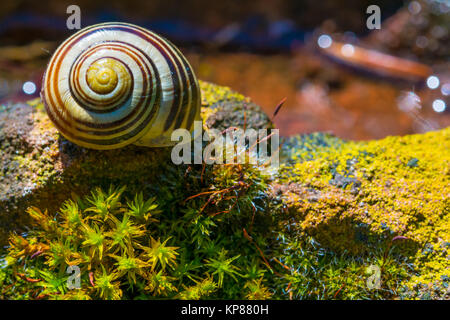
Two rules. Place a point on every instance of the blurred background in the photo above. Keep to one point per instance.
(319, 55)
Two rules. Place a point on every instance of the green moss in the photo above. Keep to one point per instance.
(136, 249)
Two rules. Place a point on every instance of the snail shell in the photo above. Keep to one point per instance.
(114, 84)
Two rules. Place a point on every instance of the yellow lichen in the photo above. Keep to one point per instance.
(397, 185)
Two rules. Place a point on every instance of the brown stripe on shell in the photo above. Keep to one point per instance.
(194, 101)
(163, 48)
(193, 85)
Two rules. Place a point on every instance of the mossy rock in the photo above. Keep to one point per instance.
(41, 168)
(333, 207)
(356, 197)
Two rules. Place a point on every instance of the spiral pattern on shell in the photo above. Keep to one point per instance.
(113, 84)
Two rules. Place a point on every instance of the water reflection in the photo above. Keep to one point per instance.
(272, 58)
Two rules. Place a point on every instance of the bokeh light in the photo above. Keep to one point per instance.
(324, 41)
(422, 42)
(414, 7)
(445, 89)
(433, 82)
(29, 87)
(347, 50)
(439, 105)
